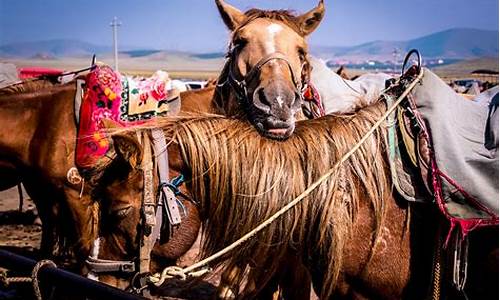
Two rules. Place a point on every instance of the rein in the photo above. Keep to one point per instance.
(200, 268)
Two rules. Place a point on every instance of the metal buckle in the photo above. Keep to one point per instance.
(127, 267)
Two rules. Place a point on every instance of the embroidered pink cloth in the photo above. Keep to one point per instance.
(109, 95)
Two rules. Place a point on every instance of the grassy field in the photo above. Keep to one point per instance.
(462, 70)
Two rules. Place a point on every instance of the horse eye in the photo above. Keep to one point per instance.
(239, 42)
(302, 54)
(122, 212)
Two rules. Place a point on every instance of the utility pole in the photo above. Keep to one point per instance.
(395, 55)
(114, 24)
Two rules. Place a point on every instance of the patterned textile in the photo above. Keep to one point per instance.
(123, 100)
(312, 101)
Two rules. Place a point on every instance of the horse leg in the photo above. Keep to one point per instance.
(78, 237)
(49, 244)
(482, 279)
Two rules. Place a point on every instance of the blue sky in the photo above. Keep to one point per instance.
(194, 25)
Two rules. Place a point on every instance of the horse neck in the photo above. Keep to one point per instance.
(26, 116)
(198, 101)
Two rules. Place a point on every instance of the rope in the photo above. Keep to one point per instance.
(5, 280)
(182, 273)
(437, 270)
(34, 276)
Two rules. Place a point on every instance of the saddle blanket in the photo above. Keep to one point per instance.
(123, 100)
(465, 145)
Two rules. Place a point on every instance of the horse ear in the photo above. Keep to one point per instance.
(311, 19)
(128, 147)
(231, 16)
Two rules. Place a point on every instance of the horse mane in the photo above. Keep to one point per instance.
(28, 86)
(241, 179)
(288, 17)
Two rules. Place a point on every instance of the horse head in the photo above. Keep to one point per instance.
(126, 244)
(267, 66)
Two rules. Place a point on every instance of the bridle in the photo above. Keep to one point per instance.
(154, 208)
(240, 86)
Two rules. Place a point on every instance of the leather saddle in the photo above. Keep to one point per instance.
(409, 152)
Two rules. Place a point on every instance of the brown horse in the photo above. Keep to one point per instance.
(37, 145)
(267, 66)
(357, 239)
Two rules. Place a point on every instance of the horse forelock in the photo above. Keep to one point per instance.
(241, 179)
(287, 17)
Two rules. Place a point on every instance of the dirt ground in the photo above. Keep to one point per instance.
(18, 229)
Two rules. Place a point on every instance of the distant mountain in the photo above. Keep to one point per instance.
(209, 55)
(51, 48)
(457, 43)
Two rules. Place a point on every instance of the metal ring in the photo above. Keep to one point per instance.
(407, 58)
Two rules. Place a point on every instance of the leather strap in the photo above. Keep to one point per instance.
(240, 86)
(149, 205)
(78, 99)
(98, 265)
(160, 146)
(272, 56)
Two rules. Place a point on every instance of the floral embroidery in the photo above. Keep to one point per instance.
(120, 99)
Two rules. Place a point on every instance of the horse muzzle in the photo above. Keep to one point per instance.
(273, 128)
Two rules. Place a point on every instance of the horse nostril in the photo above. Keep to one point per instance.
(263, 98)
(260, 101)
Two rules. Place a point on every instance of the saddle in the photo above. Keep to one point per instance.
(423, 137)
(109, 95)
(419, 161)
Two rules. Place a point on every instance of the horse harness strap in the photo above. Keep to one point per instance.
(160, 146)
(240, 86)
(166, 202)
(148, 205)
(80, 85)
(99, 265)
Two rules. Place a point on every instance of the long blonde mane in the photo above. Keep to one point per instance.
(241, 179)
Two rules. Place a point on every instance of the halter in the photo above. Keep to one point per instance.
(240, 87)
(153, 211)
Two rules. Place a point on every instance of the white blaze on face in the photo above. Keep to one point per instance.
(272, 30)
(279, 100)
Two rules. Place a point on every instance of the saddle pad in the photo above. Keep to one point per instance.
(123, 100)
(464, 169)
